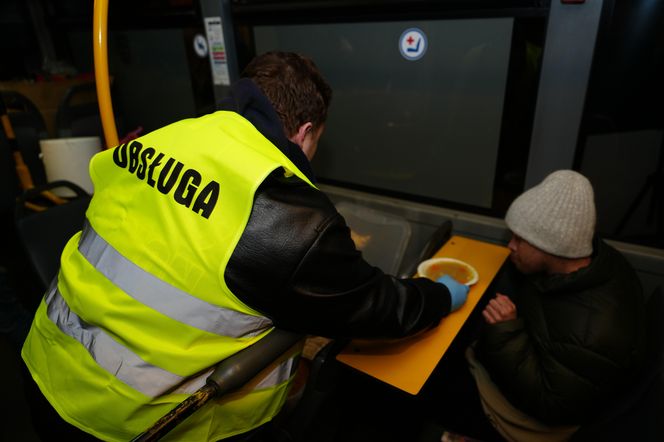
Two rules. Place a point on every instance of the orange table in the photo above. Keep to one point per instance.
(407, 364)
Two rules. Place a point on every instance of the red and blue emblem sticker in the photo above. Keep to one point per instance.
(412, 44)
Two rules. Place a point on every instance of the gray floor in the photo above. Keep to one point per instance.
(17, 425)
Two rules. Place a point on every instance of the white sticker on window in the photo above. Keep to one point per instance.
(200, 45)
(412, 44)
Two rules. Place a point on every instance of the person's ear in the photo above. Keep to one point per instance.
(300, 135)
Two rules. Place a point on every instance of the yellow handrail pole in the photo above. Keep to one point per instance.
(100, 21)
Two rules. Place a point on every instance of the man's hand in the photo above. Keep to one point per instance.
(500, 309)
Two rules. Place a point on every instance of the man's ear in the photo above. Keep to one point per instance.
(302, 131)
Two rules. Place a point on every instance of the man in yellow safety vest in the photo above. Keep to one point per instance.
(201, 237)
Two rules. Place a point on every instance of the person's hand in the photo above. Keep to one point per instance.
(458, 291)
(499, 309)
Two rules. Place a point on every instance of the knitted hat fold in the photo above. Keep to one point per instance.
(556, 216)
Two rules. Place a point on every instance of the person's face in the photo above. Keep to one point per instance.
(528, 259)
(310, 142)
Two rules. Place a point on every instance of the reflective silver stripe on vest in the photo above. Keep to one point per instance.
(163, 297)
(127, 366)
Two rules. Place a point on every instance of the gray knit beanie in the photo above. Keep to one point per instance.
(556, 216)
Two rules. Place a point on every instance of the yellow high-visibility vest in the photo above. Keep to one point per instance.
(140, 312)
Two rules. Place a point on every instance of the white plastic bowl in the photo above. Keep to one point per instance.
(461, 271)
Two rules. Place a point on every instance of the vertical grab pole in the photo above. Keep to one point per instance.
(100, 28)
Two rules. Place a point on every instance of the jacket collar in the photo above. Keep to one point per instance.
(598, 272)
(246, 99)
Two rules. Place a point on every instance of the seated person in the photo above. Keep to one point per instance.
(568, 333)
(561, 334)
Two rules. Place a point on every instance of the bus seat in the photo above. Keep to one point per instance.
(78, 112)
(43, 234)
(437, 239)
(29, 128)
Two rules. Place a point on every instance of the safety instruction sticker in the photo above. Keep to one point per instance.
(412, 44)
(217, 51)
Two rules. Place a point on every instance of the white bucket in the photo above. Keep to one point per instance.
(69, 159)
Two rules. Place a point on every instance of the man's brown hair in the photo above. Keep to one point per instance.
(294, 86)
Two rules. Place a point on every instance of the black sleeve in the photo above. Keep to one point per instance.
(297, 264)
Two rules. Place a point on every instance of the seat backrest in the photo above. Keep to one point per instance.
(437, 239)
(9, 186)
(44, 234)
(78, 113)
(29, 128)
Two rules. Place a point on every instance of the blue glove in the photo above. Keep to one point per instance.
(458, 291)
